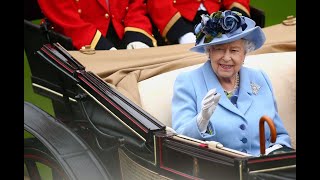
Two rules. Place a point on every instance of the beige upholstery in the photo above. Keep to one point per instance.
(156, 92)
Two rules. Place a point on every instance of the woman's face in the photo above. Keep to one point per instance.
(227, 59)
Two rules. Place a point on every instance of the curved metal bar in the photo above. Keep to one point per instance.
(262, 134)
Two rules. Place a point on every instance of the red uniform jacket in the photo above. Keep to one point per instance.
(85, 21)
(166, 14)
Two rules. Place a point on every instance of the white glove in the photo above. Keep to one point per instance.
(273, 148)
(209, 104)
(187, 38)
(137, 45)
(113, 48)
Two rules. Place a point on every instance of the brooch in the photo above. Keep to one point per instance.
(255, 88)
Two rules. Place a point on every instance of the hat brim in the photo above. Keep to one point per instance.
(254, 35)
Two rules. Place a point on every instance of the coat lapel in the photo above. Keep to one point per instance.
(103, 3)
(245, 94)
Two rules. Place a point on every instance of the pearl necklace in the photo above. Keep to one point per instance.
(230, 93)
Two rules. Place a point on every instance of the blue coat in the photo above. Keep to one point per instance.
(235, 128)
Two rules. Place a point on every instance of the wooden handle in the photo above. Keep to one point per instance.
(262, 134)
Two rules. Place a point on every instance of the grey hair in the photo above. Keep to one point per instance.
(249, 46)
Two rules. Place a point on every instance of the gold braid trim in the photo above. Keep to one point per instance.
(172, 21)
(240, 6)
(95, 39)
(154, 41)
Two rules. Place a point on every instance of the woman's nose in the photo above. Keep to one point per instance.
(227, 56)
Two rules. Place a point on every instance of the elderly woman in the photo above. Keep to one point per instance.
(222, 100)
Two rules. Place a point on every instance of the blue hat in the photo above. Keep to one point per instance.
(224, 27)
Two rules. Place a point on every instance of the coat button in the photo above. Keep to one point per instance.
(244, 140)
(79, 11)
(127, 8)
(174, 1)
(242, 127)
(106, 15)
(77, 0)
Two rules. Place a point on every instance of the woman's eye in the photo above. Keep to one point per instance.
(234, 50)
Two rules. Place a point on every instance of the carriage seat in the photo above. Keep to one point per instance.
(156, 92)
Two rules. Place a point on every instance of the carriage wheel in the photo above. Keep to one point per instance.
(40, 163)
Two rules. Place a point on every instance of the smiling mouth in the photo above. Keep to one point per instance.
(226, 66)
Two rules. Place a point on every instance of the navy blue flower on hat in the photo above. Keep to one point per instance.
(218, 23)
(224, 27)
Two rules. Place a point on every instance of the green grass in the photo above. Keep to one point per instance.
(275, 10)
(27, 134)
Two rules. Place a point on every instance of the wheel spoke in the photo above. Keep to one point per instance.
(56, 175)
(32, 169)
(41, 164)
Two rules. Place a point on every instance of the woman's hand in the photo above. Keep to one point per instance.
(209, 104)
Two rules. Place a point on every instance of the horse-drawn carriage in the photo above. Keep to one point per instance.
(113, 120)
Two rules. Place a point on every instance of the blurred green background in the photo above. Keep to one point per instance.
(275, 11)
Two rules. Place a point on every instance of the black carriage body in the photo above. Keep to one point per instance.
(130, 143)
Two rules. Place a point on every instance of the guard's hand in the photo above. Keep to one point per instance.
(137, 45)
(187, 38)
(209, 104)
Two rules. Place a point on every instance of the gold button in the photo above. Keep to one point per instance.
(291, 20)
(106, 15)
(127, 8)
(198, 0)
(87, 49)
(77, 0)
(52, 27)
(174, 1)
(290, 17)
(79, 11)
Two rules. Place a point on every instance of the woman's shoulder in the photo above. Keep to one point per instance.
(253, 70)
(256, 74)
(191, 71)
